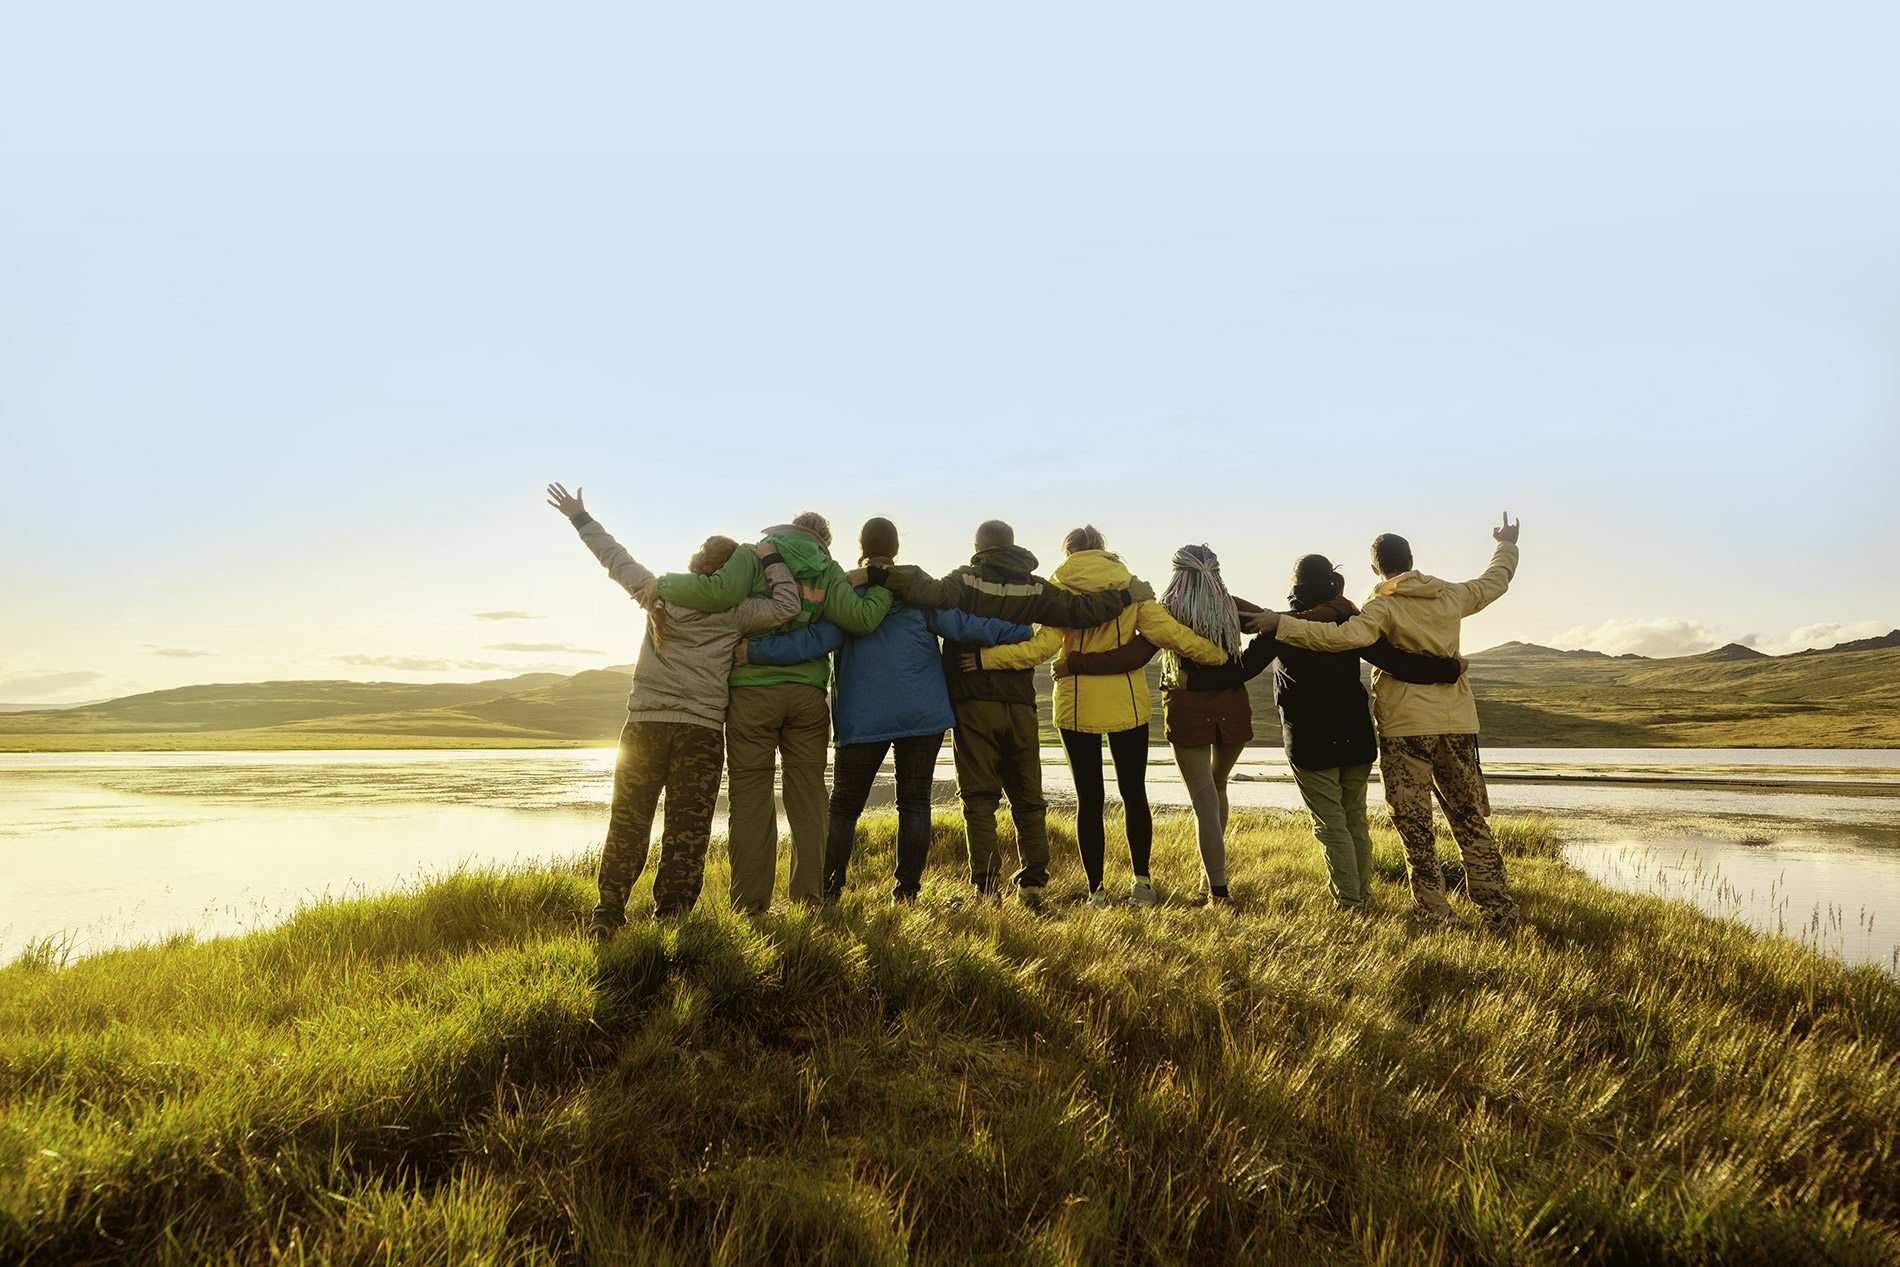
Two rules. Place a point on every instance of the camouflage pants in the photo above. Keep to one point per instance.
(1412, 768)
(685, 761)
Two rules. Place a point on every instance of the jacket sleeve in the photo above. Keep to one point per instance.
(1260, 653)
(1131, 655)
(1024, 655)
(909, 584)
(774, 609)
(986, 631)
(1079, 611)
(1361, 631)
(716, 593)
(857, 614)
(800, 645)
(1410, 666)
(1489, 588)
(1154, 622)
(621, 566)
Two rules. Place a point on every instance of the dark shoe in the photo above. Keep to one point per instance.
(601, 930)
(1030, 895)
(1509, 921)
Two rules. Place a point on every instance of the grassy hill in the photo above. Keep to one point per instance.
(453, 1075)
(1528, 696)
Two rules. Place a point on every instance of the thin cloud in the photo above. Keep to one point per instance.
(1816, 637)
(547, 648)
(1629, 635)
(508, 616)
(416, 663)
(180, 653)
(47, 685)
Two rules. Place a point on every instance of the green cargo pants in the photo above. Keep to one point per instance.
(1336, 799)
(788, 720)
(999, 752)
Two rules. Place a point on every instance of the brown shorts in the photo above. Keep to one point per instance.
(1200, 719)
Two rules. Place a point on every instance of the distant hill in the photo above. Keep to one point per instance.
(1528, 695)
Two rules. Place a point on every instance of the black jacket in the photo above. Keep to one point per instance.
(1325, 714)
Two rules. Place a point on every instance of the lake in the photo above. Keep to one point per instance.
(114, 848)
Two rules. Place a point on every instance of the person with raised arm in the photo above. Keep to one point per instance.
(997, 740)
(887, 690)
(673, 740)
(1324, 720)
(1428, 732)
(779, 713)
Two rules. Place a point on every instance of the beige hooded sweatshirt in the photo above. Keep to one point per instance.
(1416, 613)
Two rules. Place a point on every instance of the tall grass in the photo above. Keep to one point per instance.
(452, 1074)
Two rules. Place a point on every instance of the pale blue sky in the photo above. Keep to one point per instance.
(299, 310)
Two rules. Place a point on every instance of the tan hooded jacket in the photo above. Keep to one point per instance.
(1416, 613)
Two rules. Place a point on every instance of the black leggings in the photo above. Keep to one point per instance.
(1129, 748)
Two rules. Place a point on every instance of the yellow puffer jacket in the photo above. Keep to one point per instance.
(1102, 705)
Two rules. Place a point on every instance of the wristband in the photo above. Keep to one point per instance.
(876, 575)
(767, 560)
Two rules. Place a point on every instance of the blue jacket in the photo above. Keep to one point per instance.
(888, 684)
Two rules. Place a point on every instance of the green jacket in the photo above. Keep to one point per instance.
(822, 586)
(1000, 582)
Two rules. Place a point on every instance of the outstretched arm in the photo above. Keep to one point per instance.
(755, 615)
(1411, 666)
(910, 584)
(1023, 655)
(625, 570)
(857, 614)
(1125, 659)
(1159, 627)
(984, 631)
(796, 647)
(1079, 611)
(724, 589)
(1361, 631)
(1480, 593)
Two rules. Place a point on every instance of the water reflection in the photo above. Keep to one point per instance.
(116, 848)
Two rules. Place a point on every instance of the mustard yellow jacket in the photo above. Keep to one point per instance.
(1415, 612)
(1106, 704)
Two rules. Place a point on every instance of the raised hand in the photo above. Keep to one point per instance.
(1262, 622)
(559, 498)
(1508, 531)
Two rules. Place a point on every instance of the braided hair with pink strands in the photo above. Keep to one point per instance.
(1198, 599)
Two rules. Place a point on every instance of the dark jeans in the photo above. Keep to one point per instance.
(1129, 748)
(854, 768)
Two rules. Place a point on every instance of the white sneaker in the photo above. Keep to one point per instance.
(1030, 895)
(1140, 894)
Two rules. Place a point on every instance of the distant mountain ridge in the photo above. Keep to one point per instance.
(1528, 695)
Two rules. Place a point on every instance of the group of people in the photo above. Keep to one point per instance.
(756, 654)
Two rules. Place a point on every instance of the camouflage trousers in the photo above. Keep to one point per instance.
(1412, 768)
(684, 761)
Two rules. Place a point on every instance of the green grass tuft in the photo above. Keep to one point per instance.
(451, 1074)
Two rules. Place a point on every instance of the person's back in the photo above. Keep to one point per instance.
(1428, 733)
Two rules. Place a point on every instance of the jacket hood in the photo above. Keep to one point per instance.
(1006, 560)
(1091, 572)
(803, 553)
(1413, 584)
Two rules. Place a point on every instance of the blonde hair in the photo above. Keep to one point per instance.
(1087, 537)
(712, 555)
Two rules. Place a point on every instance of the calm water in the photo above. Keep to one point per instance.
(111, 848)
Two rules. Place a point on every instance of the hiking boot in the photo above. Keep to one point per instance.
(1142, 893)
(601, 928)
(1030, 895)
(1507, 922)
